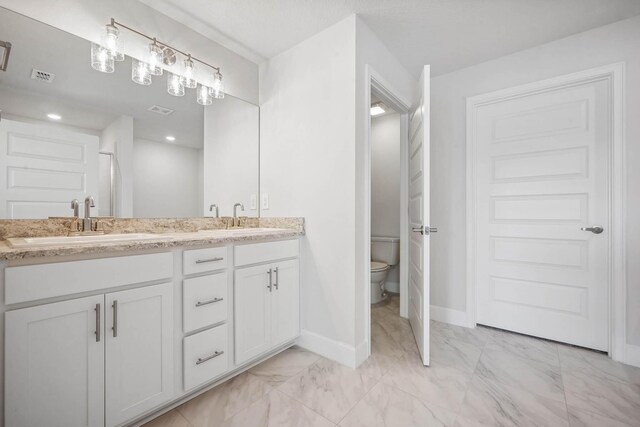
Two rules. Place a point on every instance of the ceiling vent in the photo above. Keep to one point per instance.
(163, 111)
(42, 76)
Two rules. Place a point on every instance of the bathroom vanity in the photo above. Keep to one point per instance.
(109, 334)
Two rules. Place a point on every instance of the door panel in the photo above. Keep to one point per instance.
(54, 367)
(285, 302)
(139, 354)
(419, 147)
(252, 306)
(542, 175)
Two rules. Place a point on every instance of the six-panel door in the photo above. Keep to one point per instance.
(54, 364)
(139, 353)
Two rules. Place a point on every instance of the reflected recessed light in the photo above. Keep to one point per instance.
(171, 138)
(54, 116)
(377, 109)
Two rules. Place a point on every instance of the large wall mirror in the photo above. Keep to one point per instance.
(68, 132)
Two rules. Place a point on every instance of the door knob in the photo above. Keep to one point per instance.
(596, 229)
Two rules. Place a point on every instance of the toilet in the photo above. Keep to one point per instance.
(385, 253)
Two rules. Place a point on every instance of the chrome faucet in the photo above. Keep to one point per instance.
(235, 209)
(75, 205)
(88, 204)
(211, 209)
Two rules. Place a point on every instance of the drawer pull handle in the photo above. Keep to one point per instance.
(211, 301)
(205, 359)
(202, 261)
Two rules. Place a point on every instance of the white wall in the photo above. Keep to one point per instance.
(87, 18)
(385, 184)
(606, 45)
(231, 156)
(307, 158)
(117, 138)
(165, 180)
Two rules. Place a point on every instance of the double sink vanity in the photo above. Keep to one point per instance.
(113, 329)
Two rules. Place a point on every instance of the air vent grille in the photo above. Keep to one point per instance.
(42, 76)
(163, 111)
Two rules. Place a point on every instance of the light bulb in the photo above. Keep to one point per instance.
(204, 95)
(188, 74)
(113, 43)
(218, 87)
(174, 85)
(101, 60)
(140, 72)
(155, 59)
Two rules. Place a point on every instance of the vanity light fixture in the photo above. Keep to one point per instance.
(377, 109)
(110, 50)
(54, 116)
(5, 49)
(170, 138)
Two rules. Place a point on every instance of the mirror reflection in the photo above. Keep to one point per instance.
(68, 132)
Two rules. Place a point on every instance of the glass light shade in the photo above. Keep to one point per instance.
(101, 60)
(174, 85)
(218, 87)
(204, 95)
(188, 74)
(113, 43)
(155, 59)
(140, 72)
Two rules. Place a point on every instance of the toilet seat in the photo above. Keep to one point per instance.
(378, 266)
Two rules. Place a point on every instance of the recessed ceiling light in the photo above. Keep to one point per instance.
(170, 138)
(377, 109)
(54, 116)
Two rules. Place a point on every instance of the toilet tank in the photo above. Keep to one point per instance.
(385, 249)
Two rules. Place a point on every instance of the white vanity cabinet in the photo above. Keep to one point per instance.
(266, 298)
(54, 364)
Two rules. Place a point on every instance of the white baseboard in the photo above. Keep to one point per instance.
(331, 349)
(633, 355)
(449, 315)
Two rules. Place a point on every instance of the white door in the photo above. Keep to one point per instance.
(139, 351)
(541, 176)
(252, 307)
(54, 364)
(419, 157)
(43, 168)
(285, 302)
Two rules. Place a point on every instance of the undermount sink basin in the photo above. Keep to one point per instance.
(240, 231)
(23, 242)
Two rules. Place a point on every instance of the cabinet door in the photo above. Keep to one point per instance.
(251, 312)
(285, 302)
(139, 351)
(54, 364)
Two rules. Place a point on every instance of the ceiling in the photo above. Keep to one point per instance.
(448, 34)
(86, 98)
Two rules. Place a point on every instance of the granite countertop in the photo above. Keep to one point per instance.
(163, 240)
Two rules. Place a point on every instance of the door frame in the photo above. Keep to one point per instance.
(389, 96)
(614, 74)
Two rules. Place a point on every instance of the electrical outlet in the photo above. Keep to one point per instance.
(265, 201)
(254, 202)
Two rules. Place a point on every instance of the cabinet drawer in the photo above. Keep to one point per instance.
(205, 356)
(203, 260)
(265, 252)
(204, 301)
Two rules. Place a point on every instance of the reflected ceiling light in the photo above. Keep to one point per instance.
(101, 60)
(170, 138)
(204, 95)
(54, 116)
(174, 85)
(377, 109)
(111, 49)
(188, 74)
(140, 72)
(112, 42)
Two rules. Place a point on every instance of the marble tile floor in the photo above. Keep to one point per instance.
(477, 377)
